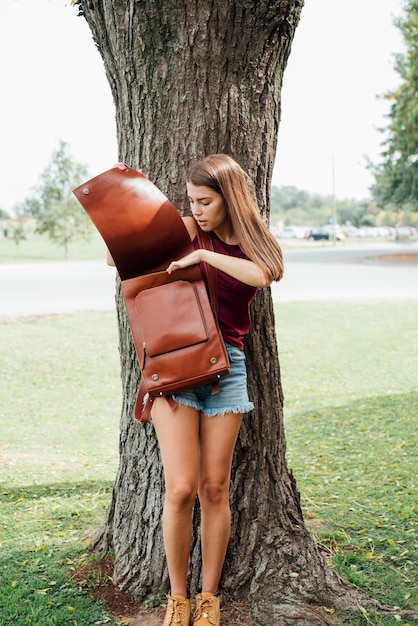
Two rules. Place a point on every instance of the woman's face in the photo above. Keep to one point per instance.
(208, 208)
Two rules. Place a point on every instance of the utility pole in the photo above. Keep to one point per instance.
(334, 205)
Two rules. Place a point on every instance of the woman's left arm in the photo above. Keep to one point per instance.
(243, 270)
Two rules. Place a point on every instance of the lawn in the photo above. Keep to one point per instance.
(349, 373)
(39, 248)
(60, 401)
(349, 377)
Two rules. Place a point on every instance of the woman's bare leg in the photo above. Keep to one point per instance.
(178, 437)
(218, 436)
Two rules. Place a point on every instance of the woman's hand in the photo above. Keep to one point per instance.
(244, 270)
(123, 166)
(190, 259)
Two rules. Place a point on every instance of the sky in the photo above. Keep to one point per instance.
(54, 88)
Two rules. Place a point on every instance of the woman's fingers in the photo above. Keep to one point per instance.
(123, 166)
(190, 259)
(175, 265)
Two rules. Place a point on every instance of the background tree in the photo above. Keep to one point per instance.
(301, 208)
(189, 79)
(397, 174)
(57, 212)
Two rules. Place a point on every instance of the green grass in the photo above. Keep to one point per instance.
(39, 248)
(349, 377)
(349, 373)
(59, 410)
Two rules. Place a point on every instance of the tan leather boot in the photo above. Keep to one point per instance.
(207, 610)
(178, 611)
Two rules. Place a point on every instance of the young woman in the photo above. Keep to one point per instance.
(197, 440)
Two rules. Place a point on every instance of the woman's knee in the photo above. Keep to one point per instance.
(181, 494)
(213, 492)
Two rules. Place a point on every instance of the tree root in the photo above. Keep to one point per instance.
(305, 615)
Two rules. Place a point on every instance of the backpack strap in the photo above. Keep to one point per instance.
(205, 242)
(144, 402)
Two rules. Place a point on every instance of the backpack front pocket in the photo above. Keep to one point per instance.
(170, 317)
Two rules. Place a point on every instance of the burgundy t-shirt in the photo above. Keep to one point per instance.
(234, 297)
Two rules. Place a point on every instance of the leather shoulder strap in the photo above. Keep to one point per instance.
(205, 241)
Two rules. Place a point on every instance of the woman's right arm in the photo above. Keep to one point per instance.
(190, 224)
(109, 258)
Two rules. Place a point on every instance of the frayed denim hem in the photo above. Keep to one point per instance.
(245, 408)
(208, 412)
(186, 402)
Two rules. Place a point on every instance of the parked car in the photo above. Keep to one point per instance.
(289, 232)
(404, 233)
(351, 231)
(292, 232)
(326, 232)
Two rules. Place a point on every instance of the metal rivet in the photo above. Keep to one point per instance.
(214, 360)
(154, 377)
(86, 191)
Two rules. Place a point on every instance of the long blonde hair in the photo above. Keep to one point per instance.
(225, 176)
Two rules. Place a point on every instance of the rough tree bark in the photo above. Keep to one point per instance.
(188, 79)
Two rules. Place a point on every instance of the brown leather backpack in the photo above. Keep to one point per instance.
(175, 332)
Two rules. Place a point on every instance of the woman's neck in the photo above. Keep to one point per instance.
(227, 235)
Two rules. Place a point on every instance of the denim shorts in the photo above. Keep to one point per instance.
(232, 396)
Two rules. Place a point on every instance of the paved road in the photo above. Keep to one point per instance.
(66, 287)
(358, 273)
(320, 273)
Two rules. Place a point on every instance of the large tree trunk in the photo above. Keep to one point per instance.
(188, 79)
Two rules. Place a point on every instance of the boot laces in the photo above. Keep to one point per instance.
(178, 609)
(206, 608)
